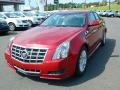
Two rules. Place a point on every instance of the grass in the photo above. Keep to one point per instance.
(113, 7)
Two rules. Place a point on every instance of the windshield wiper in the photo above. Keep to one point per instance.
(62, 26)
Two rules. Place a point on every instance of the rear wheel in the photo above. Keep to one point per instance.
(112, 15)
(12, 26)
(82, 62)
(103, 39)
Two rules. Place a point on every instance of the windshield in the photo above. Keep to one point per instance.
(69, 19)
(11, 15)
(42, 14)
(19, 14)
(28, 14)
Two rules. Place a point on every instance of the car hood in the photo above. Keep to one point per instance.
(46, 36)
(31, 18)
(41, 16)
(21, 18)
(18, 18)
(2, 20)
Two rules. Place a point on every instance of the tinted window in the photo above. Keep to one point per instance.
(91, 17)
(11, 15)
(67, 19)
(28, 14)
(19, 14)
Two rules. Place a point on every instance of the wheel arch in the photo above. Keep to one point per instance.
(11, 23)
(105, 30)
(74, 53)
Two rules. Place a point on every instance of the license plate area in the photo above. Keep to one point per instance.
(27, 72)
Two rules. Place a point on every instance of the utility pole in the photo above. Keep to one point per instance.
(29, 1)
(46, 5)
(109, 4)
(72, 3)
(36, 1)
(85, 5)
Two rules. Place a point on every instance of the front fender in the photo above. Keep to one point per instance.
(76, 44)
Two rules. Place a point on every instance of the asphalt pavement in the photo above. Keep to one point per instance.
(103, 71)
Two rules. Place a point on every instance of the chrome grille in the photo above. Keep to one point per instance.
(28, 55)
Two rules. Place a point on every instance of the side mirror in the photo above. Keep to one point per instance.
(94, 23)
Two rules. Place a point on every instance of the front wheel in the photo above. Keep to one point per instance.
(112, 15)
(82, 62)
(12, 26)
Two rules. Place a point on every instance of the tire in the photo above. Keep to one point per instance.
(112, 15)
(82, 62)
(12, 26)
(103, 42)
(30, 23)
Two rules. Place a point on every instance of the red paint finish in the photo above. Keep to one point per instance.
(51, 38)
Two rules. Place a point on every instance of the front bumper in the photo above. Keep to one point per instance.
(109, 15)
(58, 69)
(22, 25)
(103, 14)
(36, 23)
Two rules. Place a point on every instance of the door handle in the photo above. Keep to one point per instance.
(86, 32)
(94, 31)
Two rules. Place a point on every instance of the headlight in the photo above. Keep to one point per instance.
(11, 40)
(62, 51)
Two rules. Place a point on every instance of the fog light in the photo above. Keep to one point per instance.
(56, 72)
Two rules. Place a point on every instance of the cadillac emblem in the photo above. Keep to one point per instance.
(24, 54)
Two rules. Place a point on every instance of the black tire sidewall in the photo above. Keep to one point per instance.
(77, 70)
(104, 36)
(13, 25)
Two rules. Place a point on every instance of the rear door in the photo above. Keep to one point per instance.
(100, 27)
(92, 37)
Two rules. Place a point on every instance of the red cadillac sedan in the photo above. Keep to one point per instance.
(58, 48)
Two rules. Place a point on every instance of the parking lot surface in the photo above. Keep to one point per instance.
(102, 74)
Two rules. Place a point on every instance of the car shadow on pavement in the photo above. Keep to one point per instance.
(8, 33)
(96, 67)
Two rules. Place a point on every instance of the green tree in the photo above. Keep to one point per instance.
(117, 1)
(104, 2)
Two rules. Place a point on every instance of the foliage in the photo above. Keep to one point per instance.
(92, 6)
(113, 7)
